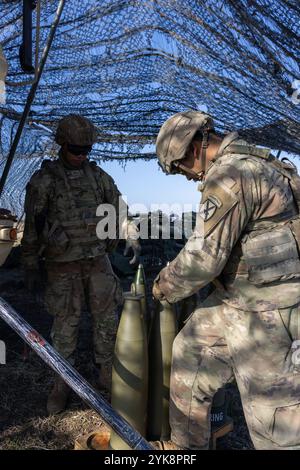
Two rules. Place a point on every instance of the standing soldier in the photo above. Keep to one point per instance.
(246, 241)
(60, 205)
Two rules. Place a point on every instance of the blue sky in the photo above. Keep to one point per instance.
(143, 182)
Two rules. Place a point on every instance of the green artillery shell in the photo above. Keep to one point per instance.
(141, 288)
(130, 369)
(162, 335)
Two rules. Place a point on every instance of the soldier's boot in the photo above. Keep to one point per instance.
(58, 397)
(165, 445)
(104, 379)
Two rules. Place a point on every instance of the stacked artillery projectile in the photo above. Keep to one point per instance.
(162, 335)
(140, 287)
(133, 395)
(130, 369)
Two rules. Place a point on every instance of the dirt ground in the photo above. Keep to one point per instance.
(25, 382)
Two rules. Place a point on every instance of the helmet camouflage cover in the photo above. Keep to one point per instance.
(176, 134)
(76, 130)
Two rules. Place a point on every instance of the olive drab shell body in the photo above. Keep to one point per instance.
(162, 334)
(140, 287)
(130, 369)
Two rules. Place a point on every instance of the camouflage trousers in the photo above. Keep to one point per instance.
(218, 343)
(69, 285)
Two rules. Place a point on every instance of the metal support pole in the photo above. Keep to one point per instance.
(72, 378)
(31, 96)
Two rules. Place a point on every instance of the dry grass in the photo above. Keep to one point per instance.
(23, 420)
(49, 433)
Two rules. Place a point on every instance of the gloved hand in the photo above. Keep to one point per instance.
(131, 234)
(33, 281)
(136, 248)
(156, 292)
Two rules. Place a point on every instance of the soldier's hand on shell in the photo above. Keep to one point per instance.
(156, 292)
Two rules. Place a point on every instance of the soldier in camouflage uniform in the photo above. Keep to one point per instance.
(60, 205)
(246, 241)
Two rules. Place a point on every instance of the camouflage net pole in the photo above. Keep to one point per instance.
(31, 96)
(72, 378)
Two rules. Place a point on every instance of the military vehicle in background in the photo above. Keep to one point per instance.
(8, 233)
(165, 238)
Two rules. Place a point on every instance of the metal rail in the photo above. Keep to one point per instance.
(72, 378)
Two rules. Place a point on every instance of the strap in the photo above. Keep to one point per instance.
(269, 222)
(93, 180)
(264, 153)
(84, 223)
(249, 150)
(56, 168)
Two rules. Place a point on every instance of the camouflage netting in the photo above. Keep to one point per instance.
(128, 65)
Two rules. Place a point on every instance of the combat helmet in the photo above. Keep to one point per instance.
(177, 133)
(76, 130)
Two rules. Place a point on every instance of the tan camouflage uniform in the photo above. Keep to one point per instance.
(246, 243)
(61, 223)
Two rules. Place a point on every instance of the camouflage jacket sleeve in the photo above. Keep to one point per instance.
(126, 228)
(36, 208)
(226, 206)
(111, 191)
(113, 196)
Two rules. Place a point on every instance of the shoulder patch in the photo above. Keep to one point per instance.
(218, 200)
(208, 208)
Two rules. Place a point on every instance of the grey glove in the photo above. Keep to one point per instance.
(136, 248)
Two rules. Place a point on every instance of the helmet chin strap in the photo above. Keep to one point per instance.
(188, 171)
(204, 145)
(201, 157)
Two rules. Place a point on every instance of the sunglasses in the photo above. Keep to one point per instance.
(78, 149)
